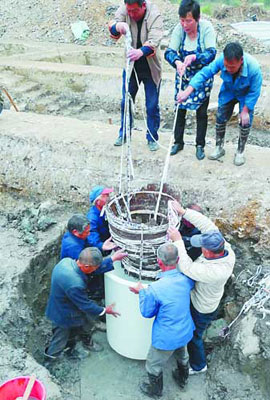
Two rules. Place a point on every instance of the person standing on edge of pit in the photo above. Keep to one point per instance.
(168, 300)
(210, 273)
(192, 46)
(69, 308)
(99, 229)
(242, 81)
(144, 21)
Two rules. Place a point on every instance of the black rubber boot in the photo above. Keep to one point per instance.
(180, 375)
(239, 158)
(154, 387)
(219, 150)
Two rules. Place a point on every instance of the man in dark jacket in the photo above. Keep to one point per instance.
(168, 300)
(73, 242)
(188, 230)
(69, 307)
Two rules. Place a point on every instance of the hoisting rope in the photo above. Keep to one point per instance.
(127, 135)
(258, 300)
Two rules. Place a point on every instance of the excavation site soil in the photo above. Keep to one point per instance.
(60, 144)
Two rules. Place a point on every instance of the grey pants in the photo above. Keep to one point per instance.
(156, 359)
(63, 338)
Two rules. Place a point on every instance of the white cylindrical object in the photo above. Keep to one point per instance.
(129, 334)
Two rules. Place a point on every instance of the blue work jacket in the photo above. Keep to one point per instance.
(246, 88)
(168, 300)
(72, 246)
(69, 304)
(99, 230)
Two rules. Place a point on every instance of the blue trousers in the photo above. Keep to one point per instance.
(197, 359)
(225, 111)
(151, 103)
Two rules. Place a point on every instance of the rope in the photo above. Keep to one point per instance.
(258, 300)
(167, 160)
(127, 130)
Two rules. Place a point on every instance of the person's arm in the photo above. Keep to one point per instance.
(107, 263)
(149, 304)
(171, 53)
(206, 73)
(154, 30)
(79, 297)
(116, 31)
(254, 90)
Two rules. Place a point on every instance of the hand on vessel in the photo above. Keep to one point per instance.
(119, 255)
(174, 234)
(137, 288)
(108, 245)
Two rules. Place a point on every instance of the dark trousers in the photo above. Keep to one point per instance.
(63, 338)
(196, 352)
(201, 120)
(151, 103)
(225, 111)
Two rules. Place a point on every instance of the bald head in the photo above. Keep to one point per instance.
(91, 256)
(168, 254)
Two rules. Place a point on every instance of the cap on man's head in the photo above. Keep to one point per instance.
(98, 191)
(211, 240)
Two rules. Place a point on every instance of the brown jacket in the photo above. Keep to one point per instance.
(151, 35)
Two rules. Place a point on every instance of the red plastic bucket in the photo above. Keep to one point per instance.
(15, 387)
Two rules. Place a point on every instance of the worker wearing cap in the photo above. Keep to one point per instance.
(99, 230)
(210, 271)
(69, 308)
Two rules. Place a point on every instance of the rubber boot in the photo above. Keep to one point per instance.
(154, 387)
(180, 375)
(239, 158)
(219, 150)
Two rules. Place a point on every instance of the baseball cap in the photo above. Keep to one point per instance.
(97, 191)
(211, 240)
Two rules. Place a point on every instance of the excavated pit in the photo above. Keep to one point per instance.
(60, 158)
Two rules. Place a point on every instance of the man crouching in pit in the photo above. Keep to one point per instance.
(168, 300)
(69, 308)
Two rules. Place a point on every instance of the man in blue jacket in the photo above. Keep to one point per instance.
(77, 239)
(168, 300)
(69, 308)
(99, 235)
(242, 81)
